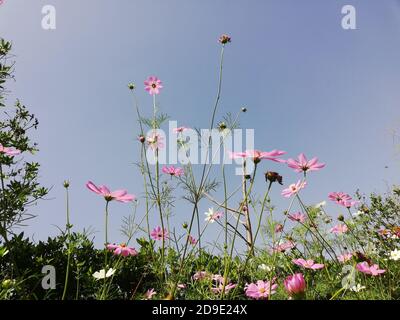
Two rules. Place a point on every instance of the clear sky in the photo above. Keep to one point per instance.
(309, 86)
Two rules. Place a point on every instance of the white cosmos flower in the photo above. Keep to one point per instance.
(265, 268)
(212, 216)
(357, 288)
(102, 273)
(395, 255)
(320, 205)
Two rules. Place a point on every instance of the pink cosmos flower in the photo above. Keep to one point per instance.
(308, 264)
(372, 270)
(257, 155)
(172, 171)
(179, 129)
(9, 151)
(122, 250)
(293, 189)
(155, 141)
(260, 290)
(339, 229)
(219, 288)
(200, 275)
(153, 85)
(284, 246)
(301, 164)
(342, 199)
(298, 216)
(192, 240)
(159, 234)
(118, 195)
(345, 257)
(295, 284)
(149, 294)
(181, 286)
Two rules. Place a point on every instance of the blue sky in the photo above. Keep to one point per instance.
(309, 86)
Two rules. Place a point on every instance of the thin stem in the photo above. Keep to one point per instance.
(68, 246)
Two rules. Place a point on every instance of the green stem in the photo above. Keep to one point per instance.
(68, 246)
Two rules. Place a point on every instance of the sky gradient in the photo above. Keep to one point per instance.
(309, 85)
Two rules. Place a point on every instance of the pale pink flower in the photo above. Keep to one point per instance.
(257, 155)
(118, 195)
(200, 275)
(284, 246)
(181, 286)
(350, 203)
(339, 229)
(9, 151)
(149, 294)
(122, 250)
(372, 270)
(260, 290)
(301, 164)
(179, 129)
(295, 284)
(212, 216)
(345, 257)
(153, 85)
(173, 171)
(220, 286)
(308, 264)
(158, 233)
(192, 240)
(293, 189)
(155, 141)
(298, 216)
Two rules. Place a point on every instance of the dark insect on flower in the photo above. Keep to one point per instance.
(273, 177)
(362, 257)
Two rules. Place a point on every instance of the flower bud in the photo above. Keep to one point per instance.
(224, 39)
(142, 138)
(131, 86)
(66, 184)
(295, 285)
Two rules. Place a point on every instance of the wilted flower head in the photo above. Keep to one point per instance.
(153, 85)
(273, 177)
(278, 228)
(224, 39)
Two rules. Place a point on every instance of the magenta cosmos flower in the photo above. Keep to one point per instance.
(9, 151)
(293, 189)
(260, 290)
(159, 234)
(295, 284)
(301, 164)
(342, 199)
(192, 240)
(153, 85)
(257, 155)
(308, 264)
(284, 246)
(122, 250)
(172, 171)
(298, 216)
(372, 270)
(118, 195)
(339, 229)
